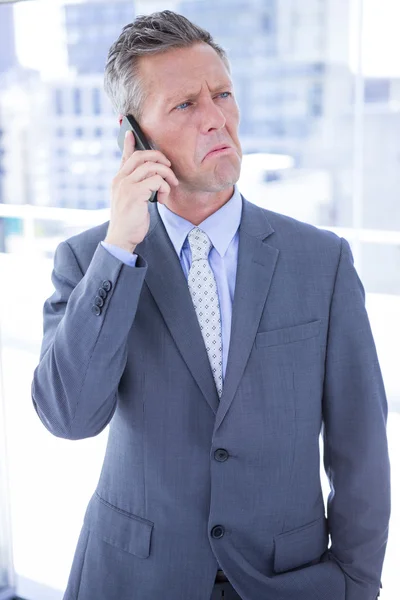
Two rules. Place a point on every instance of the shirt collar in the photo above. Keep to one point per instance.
(220, 227)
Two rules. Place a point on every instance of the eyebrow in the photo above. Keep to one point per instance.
(193, 95)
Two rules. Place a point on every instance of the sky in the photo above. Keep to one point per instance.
(39, 37)
(381, 41)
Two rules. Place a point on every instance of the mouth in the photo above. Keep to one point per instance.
(222, 149)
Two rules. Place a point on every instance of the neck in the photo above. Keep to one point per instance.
(196, 207)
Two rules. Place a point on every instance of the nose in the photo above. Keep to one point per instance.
(213, 117)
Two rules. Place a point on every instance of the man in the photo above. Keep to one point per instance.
(217, 339)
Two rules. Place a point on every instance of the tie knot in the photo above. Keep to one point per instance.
(200, 244)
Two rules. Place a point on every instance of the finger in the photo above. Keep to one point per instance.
(140, 157)
(149, 169)
(156, 184)
(129, 146)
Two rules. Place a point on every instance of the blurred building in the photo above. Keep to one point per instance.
(61, 133)
(61, 137)
(84, 127)
(91, 27)
(84, 138)
(8, 60)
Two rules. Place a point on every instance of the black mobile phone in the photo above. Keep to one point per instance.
(129, 123)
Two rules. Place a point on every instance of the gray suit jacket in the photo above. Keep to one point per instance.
(189, 482)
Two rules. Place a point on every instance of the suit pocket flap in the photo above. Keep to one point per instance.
(288, 334)
(123, 530)
(300, 546)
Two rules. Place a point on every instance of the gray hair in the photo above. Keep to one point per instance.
(148, 34)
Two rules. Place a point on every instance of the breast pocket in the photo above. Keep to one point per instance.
(290, 367)
(288, 335)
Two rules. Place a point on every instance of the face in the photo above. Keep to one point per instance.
(189, 109)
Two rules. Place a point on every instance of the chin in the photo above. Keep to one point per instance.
(218, 179)
(226, 177)
(219, 185)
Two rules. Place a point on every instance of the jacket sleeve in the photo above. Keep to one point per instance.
(356, 456)
(84, 347)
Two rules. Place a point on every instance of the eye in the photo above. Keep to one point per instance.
(179, 106)
(185, 105)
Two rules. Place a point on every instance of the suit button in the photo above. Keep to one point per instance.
(221, 455)
(102, 293)
(98, 301)
(106, 285)
(96, 310)
(217, 532)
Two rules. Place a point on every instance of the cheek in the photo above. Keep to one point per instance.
(232, 122)
(172, 148)
(182, 149)
(181, 162)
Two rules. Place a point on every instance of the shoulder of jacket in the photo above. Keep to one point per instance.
(84, 244)
(92, 235)
(300, 232)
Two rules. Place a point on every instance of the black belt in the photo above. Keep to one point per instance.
(221, 577)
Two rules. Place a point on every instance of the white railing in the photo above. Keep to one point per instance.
(89, 218)
(29, 214)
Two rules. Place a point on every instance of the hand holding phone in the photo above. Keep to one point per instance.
(129, 123)
(141, 174)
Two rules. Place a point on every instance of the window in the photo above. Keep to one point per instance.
(315, 99)
(58, 102)
(77, 101)
(96, 101)
(377, 90)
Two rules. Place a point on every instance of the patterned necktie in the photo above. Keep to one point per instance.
(204, 292)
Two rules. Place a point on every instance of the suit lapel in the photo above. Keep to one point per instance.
(255, 269)
(168, 285)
